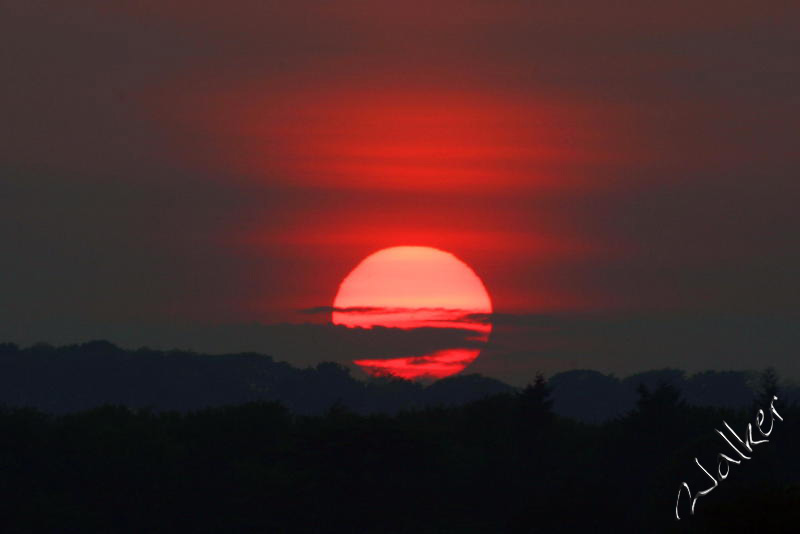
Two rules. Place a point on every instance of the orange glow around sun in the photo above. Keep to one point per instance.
(413, 287)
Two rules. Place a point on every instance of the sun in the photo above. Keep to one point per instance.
(413, 287)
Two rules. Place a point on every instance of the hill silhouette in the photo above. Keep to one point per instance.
(84, 376)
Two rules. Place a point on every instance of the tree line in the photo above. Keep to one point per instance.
(502, 463)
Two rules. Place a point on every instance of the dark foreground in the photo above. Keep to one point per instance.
(502, 464)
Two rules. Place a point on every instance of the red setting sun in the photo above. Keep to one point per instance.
(415, 287)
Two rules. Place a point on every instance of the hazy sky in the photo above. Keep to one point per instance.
(623, 176)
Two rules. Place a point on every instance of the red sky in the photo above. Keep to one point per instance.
(196, 163)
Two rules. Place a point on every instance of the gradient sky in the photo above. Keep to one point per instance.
(623, 176)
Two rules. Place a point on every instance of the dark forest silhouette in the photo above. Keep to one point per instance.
(467, 454)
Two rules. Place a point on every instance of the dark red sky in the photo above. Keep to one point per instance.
(623, 173)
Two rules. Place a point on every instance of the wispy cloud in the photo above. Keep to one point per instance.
(300, 344)
(382, 310)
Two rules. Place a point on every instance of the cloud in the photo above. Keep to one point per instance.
(379, 310)
(299, 344)
(352, 309)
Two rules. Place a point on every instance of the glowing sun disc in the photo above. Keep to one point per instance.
(411, 287)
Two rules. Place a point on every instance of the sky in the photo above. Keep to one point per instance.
(622, 176)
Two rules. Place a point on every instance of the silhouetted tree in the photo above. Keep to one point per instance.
(767, 388)
(537, 395)
(659, 416)
(664, 397)
(590, 396)
(536, 403)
